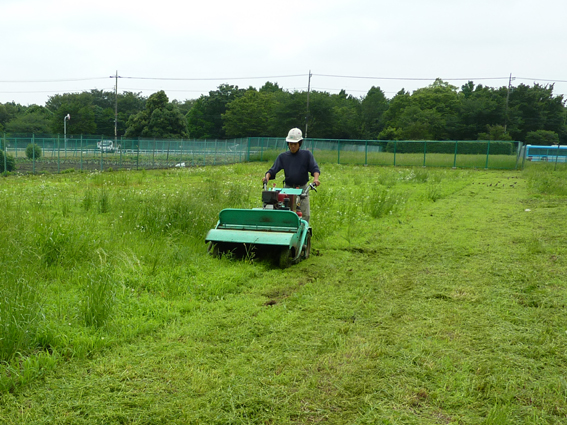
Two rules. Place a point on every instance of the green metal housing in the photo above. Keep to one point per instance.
(278, 228)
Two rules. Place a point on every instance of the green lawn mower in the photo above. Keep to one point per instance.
(277, 230)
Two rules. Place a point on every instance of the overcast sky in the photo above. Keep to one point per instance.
(188, 48)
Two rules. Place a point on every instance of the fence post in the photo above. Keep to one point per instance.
(167, 157)
(338, 151)
(215, 157)
(424, 151)
(119, 147)
(226, 152)
(58, 155)
(249, 147)
(395, 148)
(33, 153)
(101, 153)
(138, 155)
(261, 149)
(487, 154)
(455, 158)
(5, 154)
(557, 156)
(366, 153)
(81, 162)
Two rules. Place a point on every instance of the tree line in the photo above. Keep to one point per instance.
(440, 111)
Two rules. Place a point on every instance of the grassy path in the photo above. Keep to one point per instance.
(453, 312)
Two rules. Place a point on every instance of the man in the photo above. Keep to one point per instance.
(297, 164)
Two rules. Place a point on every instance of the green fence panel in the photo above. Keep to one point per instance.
(100, 153)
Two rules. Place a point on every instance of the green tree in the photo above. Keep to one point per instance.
(33, 151)
(372, 110)
(396, 107)
(535, 108)
(9, 111)
(93, 112)
(270, 87)
(198, 126)
(204, 119)
(159, 119)
(184, 106)
(495, 132)
(10, 162)
(390, 133)
(542, 137)
(346, 113)
(79, 106)
(321, 114)
(430, 113)
(30, 122)
(129, 103)
(4, 116)
(479, 107)
(250, 114)
(290, 111)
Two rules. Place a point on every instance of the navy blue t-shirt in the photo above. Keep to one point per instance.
(296, 166)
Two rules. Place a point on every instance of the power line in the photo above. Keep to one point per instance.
(541, 79)
(53, 81)
(410, 78)
(210, 79)
(62, 80)
(75, 90)
(46, 91)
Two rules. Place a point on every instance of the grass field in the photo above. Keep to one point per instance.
(433, 296)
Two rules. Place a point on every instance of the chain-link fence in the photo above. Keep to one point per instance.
(38, 154)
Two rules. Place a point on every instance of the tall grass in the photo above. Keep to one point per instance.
(546, 179)
(19, 311)
(382, 202)
(99, 296)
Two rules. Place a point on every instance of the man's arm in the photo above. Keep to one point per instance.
(271, 173)
(314, 169)
(316, 179)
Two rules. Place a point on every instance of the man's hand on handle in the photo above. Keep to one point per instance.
(316, 181)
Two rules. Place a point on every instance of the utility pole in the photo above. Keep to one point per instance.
(116, 110)
(307, 114)
(507, 99)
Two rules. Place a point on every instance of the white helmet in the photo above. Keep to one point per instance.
(294, 136)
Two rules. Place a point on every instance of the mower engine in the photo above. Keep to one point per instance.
(286, 199)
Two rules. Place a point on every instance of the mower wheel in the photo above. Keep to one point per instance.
(307, 247)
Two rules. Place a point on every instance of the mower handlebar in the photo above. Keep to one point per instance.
(307, 189)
